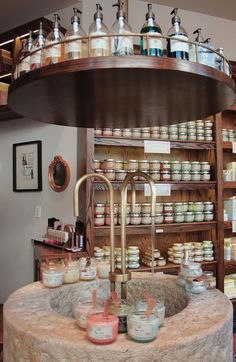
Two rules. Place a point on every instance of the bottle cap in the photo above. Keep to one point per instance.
(75, 18)
(30, 41)
(176, 18)
(56, 21)
(199, 38)
(120, 12)
(98, 14)
(150, 14)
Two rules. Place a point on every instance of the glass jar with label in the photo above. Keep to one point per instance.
(186, 176)
(178, 207)
(208, 206)
(98, 132)
(173, 136)
(71, 272)
(164, 135)
(200, 137)
(143, 165)
(108, 164)
(107, 132)
(146, 208)
(199, 123)
(159, 208)
(132, 165)
(83, 308)
(205, 176)
(108, 220)
(208, 216)
(185, 206)
(135, 219)
(145, 134)
(173, 128)
(195, 176)
(185, 166)
(110, 174)
(165, 176)
(97, 165)
(205, 166)
(155, 134)
(117, 132)
(127, 132)
(107, 208)
(198, 216)
(195, 166)
(178, 217)
(183, 136)
(208, 123)
(189, 216)
(88, 271)
(99, 172)
(119, 165)
(102, 329)
(99, 220)
(155, 175)
(198, 206)
(195, 286)
(208, 132)
(192, 136)
(137, 208)
(146, 219)
(191, 206)
(122, 313)
(127, 219)
(168, 218)
(136, 132)
(175, 166)
(210, 280)
(142, 328)
(52, 274)
(209, 138)
(99, 209)
(165, 166)
(168, 207)
(121, 175)
(176, 176)
(154, 165)
(159, 219)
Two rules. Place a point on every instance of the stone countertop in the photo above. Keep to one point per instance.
(201, 331)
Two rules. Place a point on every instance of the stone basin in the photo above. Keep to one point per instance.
(39, 325)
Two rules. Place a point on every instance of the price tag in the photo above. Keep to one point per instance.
(233, 147)
(159, 231)
(156, 147)
(161, 190)
(234, 226)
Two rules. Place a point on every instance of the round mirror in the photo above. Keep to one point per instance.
(58, 174)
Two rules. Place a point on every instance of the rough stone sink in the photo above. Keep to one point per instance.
(38, 325)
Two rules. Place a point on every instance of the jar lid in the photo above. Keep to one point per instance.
(146, 214)
(155, 172)
(188, 213)
(132, 160)
(119, 161)
(168, 203)
(198, 202)
(173, 133)
(178, 203)
(195, 172)
(121, 171)
(146, 131)
(158, 215)
(127, 129)
(185, 162)
(168, 214)
(99, 170)
(178, 213)
(133, 214)
(99, 205)
(207, 212)
(176, 172)
(107, 129)
(198, 282)
(208, 203)
(161, 258)
(109, 160)
(154, 161)
(116, 129)
(166, 172)
(205, 173)
(204, 163)
(159, 203)
(99, 216)
(146, 204)
(143, 161)
(136, 129)
(195, 162)
(106, 171)
(165, 162)
(175, 162)
(97, 160)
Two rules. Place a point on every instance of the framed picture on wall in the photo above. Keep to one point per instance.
(27, 166)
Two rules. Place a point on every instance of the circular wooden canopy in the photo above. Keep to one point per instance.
(117, 92)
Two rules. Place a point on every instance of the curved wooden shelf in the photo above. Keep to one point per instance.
(129, 91)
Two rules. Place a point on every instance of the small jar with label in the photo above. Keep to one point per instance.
(191, 206)
(159, 208)
(175, 166)
(209, 138)
(192, 136)
(117, 132)
(200, 137)
(205, 176)
(99, 220)
(142, 327)
(183, 136)
(176, 176)
(143, 165)
(195, 176)
(136, 132)
(99, 209)
(102, 329)
(98, 132)
(186, 176)
(198, 216)
(154, 165)
(133, 264)
(119, 165)
(99, 172)
(137, 208)
(208, 132)
(195, 286)
(208, 123)
(107, 208)
(200, 131)
(159, 219)
(165, 166)
(83, 308)
(205, 166)
(107, 132)
(199, 123)
(108, 220)
(122, 313)
(108, 164)
(210, 280)
(121, 175)
(208, 216)
(110, 174)
(127, 219)
(189, 216)
(161, 261)
(164, 135)
(168, 218)
(173, 136)
(155, 134)
(178, 217)
(208, 206)
(165, 176)
(132, 165)
(146, 208)
(127, 132)
(185, 206)
(89, 271)
(182, 128)
(195, 166)
(168, 207)
(155, 175)
(71, 272)
(198, 206)
(97, 164)
(145, 134)
(178, 207)
(185, 166)
(52, 274)
(135, 219)
(173, 128)
(146, 219)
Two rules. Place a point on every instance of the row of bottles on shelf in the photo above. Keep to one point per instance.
(200, 130)
(100, 45)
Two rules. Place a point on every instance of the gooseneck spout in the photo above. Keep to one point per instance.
(111, 201)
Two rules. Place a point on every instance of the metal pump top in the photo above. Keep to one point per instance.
(120, 12)
(98, 14)
(207, 41)
(176, 18)
(30, 41)
(150, 14)
(199, 38)
(75, 18)
(56, 21)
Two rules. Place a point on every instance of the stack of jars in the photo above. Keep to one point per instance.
(132, 257)
(228, 135)
(158, 259)
(197, 251)
(199, 130)
(116, 170)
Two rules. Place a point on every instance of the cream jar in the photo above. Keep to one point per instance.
(165, 166)
(205, 166)
(99, 172)
(110, 174)
(195, 176)
(209, 138)
(182, 128)
(195, 286)
(178, 207)
(88, 272)
(98, 132)
(142, 178)
(71, 272)
(155, 134)
(127, 132)
(186, 176)
(173, 136)
(191, 206)
(200, 137)
(99, 220)
(154, 165)
(132, 165)
(178, 217)
(108, 164)
(155, 175)
(133, 250)
(177, 260)
(168, 207)
(83, 309)
(168, 218)
(199, 123)
(205, 176)
(188, 216)
(103, 269)
(155, 128)
(159, 219)
(185, 206)
(135, 178)
(163, 128)
(185, 166)
(208, 123)
(208, 206)
(107, 208)
(210, 281)
(99, 209)
(108, 220)
(161, 261)
(146, 219)
(97, 164)
(183, 136)
(198, 206)
(200, 131)
(137, 208)
(145, 134)
(176, 176)
(175, 166)
(116, 132)
(195, 166)
(165, 176)
(107, 132)
(127, 219)
(164, 135)
(119, 165)
(208, 132)
(143, 165)
(208, 216)
(136, 132)
(52, 274)
(135, 219)
(192, 136)
(173, 128)
(146, 208)
(121, 175)
(133, 265)
(159, 208)
(142, 328)
(198, 216)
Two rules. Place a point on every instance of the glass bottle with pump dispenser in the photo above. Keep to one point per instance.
(155, 44)
(99, 46)
(54, 54)
(220, 63)
(121, 45)
(24, 65)
(76, 48)
(176, 48)
(210, 55)
(36, 59)
(197, 53)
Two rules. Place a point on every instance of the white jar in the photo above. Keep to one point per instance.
(135, 219)
(146, 134)
(121, 175)
(117, 132)
(208, 206)
(154, 165)
(108, 220)
(205, 176)
(97, 164)
(159, 208)
(98, 132)
(208, 216)
(136, 132)
(119, 165)
(146, 219)
(195, 166)
(107, 132)
(132, 165)
(186, 176)
(143, 165)
(176, 176)
(183, 136)
(189, 216)
(205, 166)
(192, 137)
(99, 209)
(185, 166)
(127, 132)
(99, 220)
(155, 134)
(164, 135)
(176, 166)
(155, 175)
(198, 216)
(195, 176)
(146, 208)
(173, 136)
(159, 219)
(110, 174)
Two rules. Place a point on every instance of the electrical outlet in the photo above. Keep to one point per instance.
(38, 211)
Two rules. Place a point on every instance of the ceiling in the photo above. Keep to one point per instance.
(17, 12)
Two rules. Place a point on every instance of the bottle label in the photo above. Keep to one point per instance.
(53, 51)
(177, 46)
(154, 43)
(99, 43)
(36, 57)
(140, 330)
(74, 46)
(88, 273)
(25, 65)
(100, 333)
(122, 45)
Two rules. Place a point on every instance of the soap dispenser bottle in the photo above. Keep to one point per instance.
(155, 43)
(75, 49)
(210, 54)
(121, 45)
(196, 53)
(176, 48)
(99, 46)
(221, 64)
(27, 45)
(54, 54)
(36, 59)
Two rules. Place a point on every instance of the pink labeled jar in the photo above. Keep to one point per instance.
(102, 329)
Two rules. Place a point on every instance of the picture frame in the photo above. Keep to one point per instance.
(27, 166)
